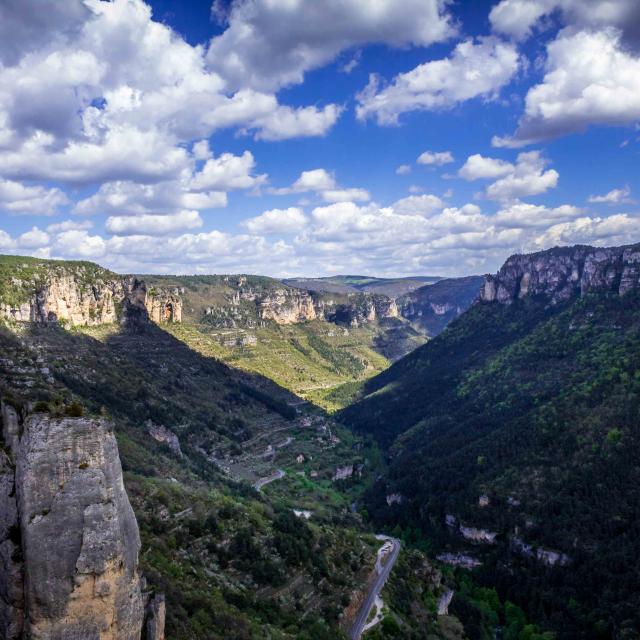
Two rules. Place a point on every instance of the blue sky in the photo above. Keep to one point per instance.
(412, 137)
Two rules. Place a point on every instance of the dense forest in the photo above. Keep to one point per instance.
(522, 421)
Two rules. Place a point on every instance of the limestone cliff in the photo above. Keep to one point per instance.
(563, 273)
(78, 294)
(288, 306)
(69, 539)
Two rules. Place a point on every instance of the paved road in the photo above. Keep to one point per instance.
(265, 481)
(374, 591)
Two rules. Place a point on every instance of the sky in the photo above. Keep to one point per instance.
(298, 137)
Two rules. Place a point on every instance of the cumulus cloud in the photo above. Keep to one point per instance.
(69, 225)
(17, 198)
(75, 108)
(613, 197)
(415, 234)
(285, 123)
(153, 225)
(589, 79)
(345, 195)
(616, 229)
(524, 215)
(478, 166)
(323, 183)
(518, 18)
(130, 198)
(311, 180)
(33, 239)
(268, 45)
(423, 205)
(527, 178)
(289, 220)
(227, 172)
(403, 169)
(437, 158)
(474, 69)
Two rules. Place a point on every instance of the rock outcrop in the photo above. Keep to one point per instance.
(83, 295)
(69, 539)
(287, 306)
(564, 273)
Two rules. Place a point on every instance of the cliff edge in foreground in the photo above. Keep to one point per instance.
(69, 539)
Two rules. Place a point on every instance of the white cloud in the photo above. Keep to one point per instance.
(201, 150)
(528, 178)
(311, 180)
(348, 67)
(518, 18)
(403, 169)
(79, 244)
(524, 215)
(153, 225)
(285, 123)
(270, 44)
(33, 239)
(17, 198)
(617, 229)
(346, 195)
(289, 220)
(100, 92)
(437, 158)
(227, 172)
(323, 183)
(69, 225)
(474, 69)
(422, 205)
(614, 196)
(590, 79)
(204, 200)
(478, 166)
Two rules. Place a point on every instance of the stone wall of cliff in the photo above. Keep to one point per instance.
(563, 273)
(64, 294)
(69, 539)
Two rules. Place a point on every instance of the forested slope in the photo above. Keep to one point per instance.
(522, 420)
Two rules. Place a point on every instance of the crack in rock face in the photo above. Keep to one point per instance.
(69, 540)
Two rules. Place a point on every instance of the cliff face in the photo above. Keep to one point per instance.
(75, 296)
(69, 539)
(432, 307)
(564, 273)
(287, 306)
(292, 306)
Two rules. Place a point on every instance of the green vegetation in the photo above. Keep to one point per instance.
(536, 407)
(310, 359)
(20, 276)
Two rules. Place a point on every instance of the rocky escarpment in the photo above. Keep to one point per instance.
(250, 304)
(78, 294)
(432, 307)
(69, 539)
(564, 273)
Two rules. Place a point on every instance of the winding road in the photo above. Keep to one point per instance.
(266, 480)
(383, 571)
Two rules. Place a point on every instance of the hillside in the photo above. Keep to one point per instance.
(514, 439)
(317, 343)
(195, 437)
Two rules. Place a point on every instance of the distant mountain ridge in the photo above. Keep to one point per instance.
(392, 287)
